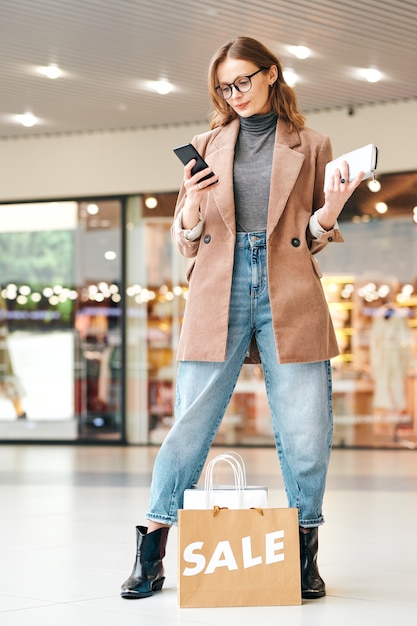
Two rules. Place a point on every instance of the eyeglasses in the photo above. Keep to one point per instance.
(241, 84)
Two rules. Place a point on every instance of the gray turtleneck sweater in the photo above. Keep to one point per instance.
(252, 171)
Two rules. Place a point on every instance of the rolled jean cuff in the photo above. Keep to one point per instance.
(162, 519)
(312, 523)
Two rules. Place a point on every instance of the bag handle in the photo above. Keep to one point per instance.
(236, 463)
(217, 509)
(239, 462)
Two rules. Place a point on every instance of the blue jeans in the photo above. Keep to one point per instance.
(299, 396)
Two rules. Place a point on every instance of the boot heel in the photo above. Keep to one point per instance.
(157, 586)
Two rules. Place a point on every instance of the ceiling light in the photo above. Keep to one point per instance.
(151, 202)
(51, 71)
(371, 74)
(383, 291)
(381, 207)
(374, 185)
(290, 77)
(27, 119)
(163, 87)
(407, 290)
(301, 52)
(92, 209)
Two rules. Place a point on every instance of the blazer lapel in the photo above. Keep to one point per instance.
(220, 156)
(286, 166)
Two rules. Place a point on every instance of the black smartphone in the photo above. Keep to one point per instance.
(186, 153)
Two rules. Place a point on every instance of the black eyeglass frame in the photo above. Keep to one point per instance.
(222, 86)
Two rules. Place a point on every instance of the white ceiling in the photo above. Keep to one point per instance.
(108, 49)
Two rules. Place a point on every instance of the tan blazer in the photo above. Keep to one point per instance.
(301, 320)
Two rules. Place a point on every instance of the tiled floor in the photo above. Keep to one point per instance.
(67, 538)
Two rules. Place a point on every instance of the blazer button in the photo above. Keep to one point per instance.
(207, 238)
(295, 242)
(329, 238)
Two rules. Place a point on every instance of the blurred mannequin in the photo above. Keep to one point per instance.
(9, 384)
(391, 358)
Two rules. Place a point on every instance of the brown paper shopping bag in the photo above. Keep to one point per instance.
(238, 557)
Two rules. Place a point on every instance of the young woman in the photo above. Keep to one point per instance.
(254, 294)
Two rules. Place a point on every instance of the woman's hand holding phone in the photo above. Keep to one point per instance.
(198, 178)
(196, 170)
(199, 181)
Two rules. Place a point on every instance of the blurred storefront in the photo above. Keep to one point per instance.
(91, 301)
(61, 319)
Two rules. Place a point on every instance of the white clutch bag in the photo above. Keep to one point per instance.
(361, 160)
(235, 496)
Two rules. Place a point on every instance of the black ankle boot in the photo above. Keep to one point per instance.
(312, 585)
(148, 573)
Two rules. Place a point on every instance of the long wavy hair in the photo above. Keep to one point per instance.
(282, 97)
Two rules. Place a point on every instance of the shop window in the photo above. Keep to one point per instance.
(60, 321)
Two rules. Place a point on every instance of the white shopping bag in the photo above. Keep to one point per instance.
(238, 495)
